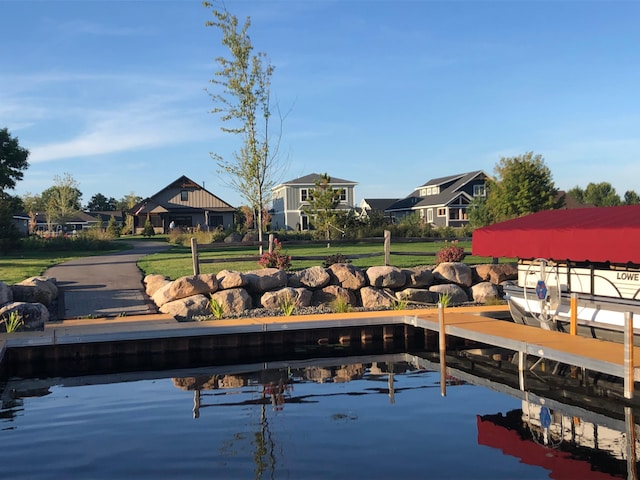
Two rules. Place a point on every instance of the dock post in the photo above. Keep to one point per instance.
(574, 314)
(629, 370)
(522, 360)
(630, 425)
(194, 256)
(443, 351)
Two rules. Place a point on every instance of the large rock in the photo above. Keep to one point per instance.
(233, 300)
(485, 291)
(312, 277)
(419, 277)
(234, 237)
(454, 272)
(231, 279)
(153, 282)
(6, 293)
(457, 294)
(497, 273)
(35, 290)
(202, 284)
(373, 297)
(330, 293)
(347, 276)
(274, 300)
(162, 295)
(188, 308)
(417, 295)
(386, 277)
(33, 315)
(266, 279)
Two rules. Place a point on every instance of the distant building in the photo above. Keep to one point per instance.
(289, 199)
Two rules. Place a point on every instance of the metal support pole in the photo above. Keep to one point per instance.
(574, 314)
(443, 351)
(629, 369)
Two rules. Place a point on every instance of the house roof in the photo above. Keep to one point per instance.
(598, 234)
(460, 178)
(313, 177)
(379, 203)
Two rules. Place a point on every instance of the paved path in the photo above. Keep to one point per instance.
(106, 285)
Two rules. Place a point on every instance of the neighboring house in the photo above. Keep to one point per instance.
(79, 221)
(185, 203)
(442, 201)
(21, 222)
(289, 199)
(380, 205)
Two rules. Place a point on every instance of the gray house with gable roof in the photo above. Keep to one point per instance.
(289, 199)
(442, 201)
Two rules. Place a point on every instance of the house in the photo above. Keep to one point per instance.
(379, 205)
(186, 204)
(75, 223)
(442, 201)
(289, 199)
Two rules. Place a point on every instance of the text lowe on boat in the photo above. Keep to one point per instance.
(593, 253)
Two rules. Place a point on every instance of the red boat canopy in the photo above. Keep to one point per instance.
(597, 234)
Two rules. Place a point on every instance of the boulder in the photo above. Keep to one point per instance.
(233, 300)
(485, 291)
(347, 276)
(6, 293)
(330, 293)
(417, 295)
(275, 299)
(373, 297)
(266, 279)
(154, 282)
(249, 237)
(312, 277)
(386, 277)
(418, 277)
(234, 237)
(162, 295)
(33, 315)
(35, 290)
(183, 287)
(188, 308)
(453, 272)
(497, 273)
(231, 279)
(457, 295)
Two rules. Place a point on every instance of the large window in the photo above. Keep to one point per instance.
(343, 194)
(479, 190)
(442, 212)
(304, 194)
(184, 195)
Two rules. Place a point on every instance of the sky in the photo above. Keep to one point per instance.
(388, 94)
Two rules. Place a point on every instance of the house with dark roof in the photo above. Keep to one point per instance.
(289, 199)
(368, 206)
(185, 203)
(442, 201)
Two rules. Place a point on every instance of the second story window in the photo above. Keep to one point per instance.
(184, 195)
(479, 191)
(343, 194)
(304, 194)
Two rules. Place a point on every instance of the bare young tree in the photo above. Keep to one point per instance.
(242, 98)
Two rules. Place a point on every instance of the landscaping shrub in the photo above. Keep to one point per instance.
(452, 253)
(148, 230)
(275, 259)
(335, 258)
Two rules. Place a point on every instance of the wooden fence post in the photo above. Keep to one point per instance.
(387, 247)
(271, 243)
(194, 256)
(629, 370)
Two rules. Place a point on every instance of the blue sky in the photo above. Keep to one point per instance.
(385, 93)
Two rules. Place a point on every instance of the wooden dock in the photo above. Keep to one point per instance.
(472, 323)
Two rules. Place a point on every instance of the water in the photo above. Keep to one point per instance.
(375, 420)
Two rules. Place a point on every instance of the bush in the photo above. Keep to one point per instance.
(148, 230)
(336, 258)
(452, 253)
(275, 259)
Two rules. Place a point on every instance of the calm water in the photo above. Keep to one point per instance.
(318, 421)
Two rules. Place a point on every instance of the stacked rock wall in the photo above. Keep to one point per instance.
(372, 288)
(30, 299)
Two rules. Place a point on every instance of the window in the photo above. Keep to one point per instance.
(304, 194)
(479, 190)
(423, 192)
(305, 222)
(184, 195)
(442, 212)
(429, 191)
(430, 215)
(343, 194)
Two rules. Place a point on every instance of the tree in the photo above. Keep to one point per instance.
(100, 203)
(243, 102)
(13, 160)
(33, 204)
(125, 204)
(523, 185)
(601, 195)
(631, 198)
(62, 200)
(322, 203)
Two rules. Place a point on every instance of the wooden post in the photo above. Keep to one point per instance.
(271, 243)
(194, 256)
(630, 425)
(573, 329)
(387, 247)
(522, 360)
(629, 370)
(443, 351)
